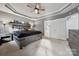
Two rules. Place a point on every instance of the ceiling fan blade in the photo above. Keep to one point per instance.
(42, 9)
(30, 5)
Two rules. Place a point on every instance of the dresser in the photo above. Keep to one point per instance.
(74, 41)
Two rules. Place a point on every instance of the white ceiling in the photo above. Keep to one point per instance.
(49, 7)
(23, 9)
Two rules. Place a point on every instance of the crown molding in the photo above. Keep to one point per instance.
(15, 11)
(56, 12)
(60, 13)
(41, 17)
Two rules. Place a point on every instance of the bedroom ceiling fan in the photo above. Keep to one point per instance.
(37, 7)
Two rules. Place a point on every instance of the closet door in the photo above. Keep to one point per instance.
(56, 28)
(53, 29)
(47, 28)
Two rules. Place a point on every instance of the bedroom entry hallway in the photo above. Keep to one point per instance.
(44, 47)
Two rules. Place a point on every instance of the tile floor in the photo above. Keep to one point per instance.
(44, 47)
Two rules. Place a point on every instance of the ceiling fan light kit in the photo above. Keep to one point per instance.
(36, 11)
(36, 7)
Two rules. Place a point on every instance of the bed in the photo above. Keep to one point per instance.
(24, 38)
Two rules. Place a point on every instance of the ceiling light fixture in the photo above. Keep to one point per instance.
(36, 7)
(36, 11)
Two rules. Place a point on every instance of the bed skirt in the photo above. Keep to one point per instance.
(26, 40)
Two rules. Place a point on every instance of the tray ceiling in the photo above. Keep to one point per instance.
(22, 9)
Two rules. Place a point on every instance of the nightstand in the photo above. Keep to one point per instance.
(3, 38)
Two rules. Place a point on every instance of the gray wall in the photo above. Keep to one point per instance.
(40, 25)
(8, 17)
(75, 10)
(59, 16)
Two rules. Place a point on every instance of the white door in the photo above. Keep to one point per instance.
(46, 28)
(56, 28)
